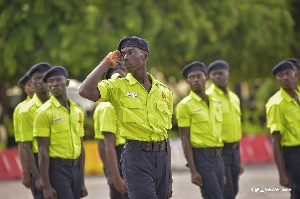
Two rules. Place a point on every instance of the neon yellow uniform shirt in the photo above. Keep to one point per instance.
(143, 116)
(231, 113)
(26, 116)
(283, 115)
(63, 128)
(105, 121)
(205, 122)
(16, 119)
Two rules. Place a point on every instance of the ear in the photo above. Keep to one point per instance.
(146, 55)
(68, 82)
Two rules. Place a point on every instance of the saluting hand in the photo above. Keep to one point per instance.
(114, 57)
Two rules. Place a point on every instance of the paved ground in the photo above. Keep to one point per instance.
(258, 181)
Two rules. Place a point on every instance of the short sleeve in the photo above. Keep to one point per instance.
(274, 119)
(41, 124)
(108, 121)
(182, 115)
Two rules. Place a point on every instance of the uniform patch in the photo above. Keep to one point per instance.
(132, 94)
(57, 120)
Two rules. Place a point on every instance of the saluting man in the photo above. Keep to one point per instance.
(231, 125)
(58, 128)
(199, 119)
(144, 108)
(28, 88)
(26, 117)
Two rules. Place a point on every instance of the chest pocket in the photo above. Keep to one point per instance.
(59, 133)
(132, 109)
(292, 120)
(163, 114)
(200, 117)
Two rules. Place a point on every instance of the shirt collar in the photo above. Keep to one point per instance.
(132, 80)
(57, 103)
(37, 100)
(217, 90)
(195, 96)
(285, 95)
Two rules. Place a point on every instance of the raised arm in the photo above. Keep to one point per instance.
(88, 88)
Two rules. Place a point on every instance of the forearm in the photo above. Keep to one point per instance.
(22, 158)
(278, 158)
(102, 153)
(88, 88)
(188, 153)
(44, 167)
(30, 160)
(169, 158)
(82, 164)
(113, 162)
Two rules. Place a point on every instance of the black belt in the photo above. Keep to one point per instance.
(65, 162)
(291, 148)
(146, 146)
(232, 145)
(210, 151)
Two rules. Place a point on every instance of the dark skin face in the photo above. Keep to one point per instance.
(57, 85)
(134, 59)
(287, 79)
(37, 82)
(196, 80)
(219, 78)
(29, 88)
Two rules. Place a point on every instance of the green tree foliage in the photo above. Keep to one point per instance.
(251, 35)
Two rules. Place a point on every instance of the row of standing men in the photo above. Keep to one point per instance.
(131, 123)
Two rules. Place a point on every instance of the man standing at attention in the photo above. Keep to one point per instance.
(283, 121)
(231, 125)
(28, 88)
(199, 120)
(144, 108)
(110, 144)
(26, 117)
(58, 128)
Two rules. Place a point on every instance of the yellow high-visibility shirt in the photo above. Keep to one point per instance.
(105, 120)
(143, 116)
(16, 119)
(231, 113)
(26, 116)
(205, 121)
(283, 115)
(63, 128)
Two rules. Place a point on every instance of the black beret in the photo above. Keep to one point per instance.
(39, 67)
(134, 42)
(281, 66)
(196, 65)
(54, 71)
(294, 61)
(217, 65)
(23, 80)
(110, 70)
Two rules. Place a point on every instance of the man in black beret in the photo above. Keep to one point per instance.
(199, 119)
(58, 128)
(144, 107)
(28, 88)
(218, 72)
(26, 116)
(283, 122)
(297, 67)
